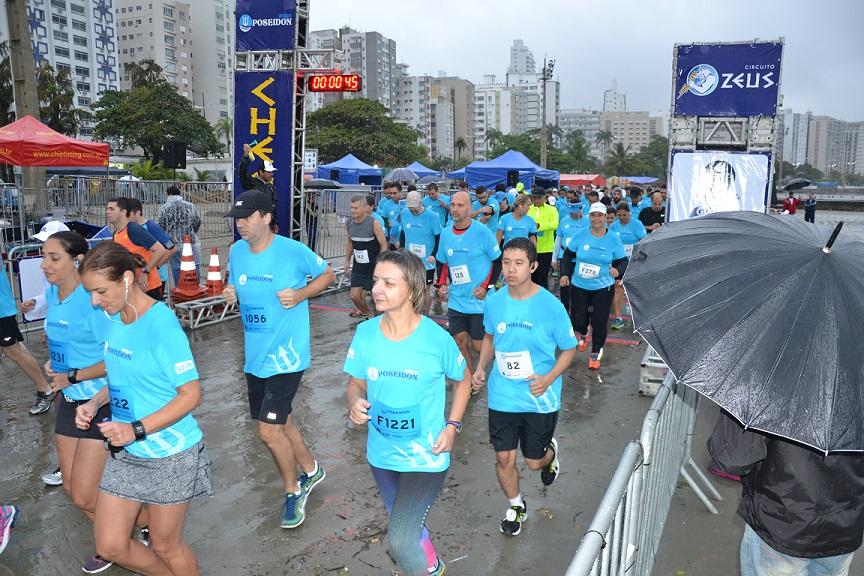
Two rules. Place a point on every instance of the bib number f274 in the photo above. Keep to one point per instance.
(588, 271)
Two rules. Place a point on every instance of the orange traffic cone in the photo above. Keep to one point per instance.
(215, 285)
(188, 287)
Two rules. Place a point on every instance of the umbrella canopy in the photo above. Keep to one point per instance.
(402, 174)
(797, 184)
(321, 184)
(28, 142)
(430, 179)
(754, 312)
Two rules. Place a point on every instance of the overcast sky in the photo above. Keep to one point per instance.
(597, 41)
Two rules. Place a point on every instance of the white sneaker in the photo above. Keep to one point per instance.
(54, 478)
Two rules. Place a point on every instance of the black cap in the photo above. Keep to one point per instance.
(250, 202)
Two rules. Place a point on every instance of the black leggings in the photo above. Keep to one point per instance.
(541, 274)
(580, 315)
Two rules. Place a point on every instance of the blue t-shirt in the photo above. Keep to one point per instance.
(492, 223)
(564, 209)
(394, 213)
(276, 338)
(514, 228)
(469, 257)
(433, 205)
(420, 232)
(405, 385)
(380, 220)
(631, 233)
(635, 209)
(147, 361)
(526, 334)
(567, 228)
(594, 257)
(383, 209)
(7, 300)
(157, 232)
(76, 332)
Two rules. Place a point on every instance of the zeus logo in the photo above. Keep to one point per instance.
(749, 80)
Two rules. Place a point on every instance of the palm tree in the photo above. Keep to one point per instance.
(224, 129)
(492, 137)
(56, 93)
(619, 160)
(603, 139)
(460, 146)
(142, 73)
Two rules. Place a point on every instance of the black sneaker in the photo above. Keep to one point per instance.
(42, 403)
(549, 473)
(511, 524)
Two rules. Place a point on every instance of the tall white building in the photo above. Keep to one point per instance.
(213, 57)
(79, 36)
(326, 40)
(495, 109)
(413, 105)
(613, 101)
(529, 101)
(442, 128)
(521, 59)
(793, 130)
(586, 121)
(373, 56)
(632, 129)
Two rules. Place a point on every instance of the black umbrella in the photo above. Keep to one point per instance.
(797, 184)
(321, 184)
(436, 178)
(762, 314)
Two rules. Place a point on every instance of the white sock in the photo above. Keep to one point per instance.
(517, 501)
(299, 490)
(314, 470)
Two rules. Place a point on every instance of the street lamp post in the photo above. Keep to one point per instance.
(545, 75)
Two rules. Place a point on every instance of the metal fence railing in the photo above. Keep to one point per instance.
(624, 536)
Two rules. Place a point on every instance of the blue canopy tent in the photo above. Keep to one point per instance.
(495, 171)
(420, 170)
(351, 170)
(457, 174)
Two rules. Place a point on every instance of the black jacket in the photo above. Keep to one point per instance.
(799, 501)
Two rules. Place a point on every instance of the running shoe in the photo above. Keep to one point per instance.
(725, 475)
(511, 524)
(617, 323)
(8, 517)
(594, 360)
(96, 564)
(308, 482)
(440, 568)
(295, 510)
(54, 478)
(583, 343)
(42, 403)
(144, 535)
(550, 472)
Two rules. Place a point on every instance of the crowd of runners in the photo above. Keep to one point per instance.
(132, 456)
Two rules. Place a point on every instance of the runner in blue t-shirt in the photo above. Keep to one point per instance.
(467, 249)
(393, 211)
(524, 324)
(517, 224)
(421, 232)
(567, 228)
(398, 363)
(268, 277)
(590, 264)
(438, 203)
(485, 209)
(158, 455)
(631, 231)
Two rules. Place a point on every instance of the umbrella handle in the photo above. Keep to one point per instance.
(833, 237)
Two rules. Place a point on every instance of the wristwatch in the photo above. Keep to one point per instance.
(140, 432)
(455, 424)
(72, 376)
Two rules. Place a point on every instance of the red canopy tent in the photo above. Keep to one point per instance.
(581, 179)
(29, 142)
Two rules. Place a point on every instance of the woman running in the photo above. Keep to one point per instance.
(159, 457)
(398, 363)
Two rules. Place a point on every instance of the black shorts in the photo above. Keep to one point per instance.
(430, 277)
(533, 431)
(65, 423)
(361, 279)
(270, 398)
(9, 332)
(470, 323)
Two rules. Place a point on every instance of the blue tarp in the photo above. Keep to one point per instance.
(641, 179)
(420, 170)
(495, 171)
(457, 174)
(351, 170)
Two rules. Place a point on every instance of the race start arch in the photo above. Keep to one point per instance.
(272, 65)
(723, 126)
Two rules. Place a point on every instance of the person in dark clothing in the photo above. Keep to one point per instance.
(810, 209)
(655, 216)
(261, 180)
(804, 509)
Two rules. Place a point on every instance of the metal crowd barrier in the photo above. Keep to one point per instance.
(625, 533)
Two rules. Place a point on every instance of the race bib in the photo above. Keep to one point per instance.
(361, 256)
(121, 409)
(588, 271)
(396, 423)
(418, 249)
(514, 365)
(59, 356)
(459, 275)
(628, 250)
(256, 318)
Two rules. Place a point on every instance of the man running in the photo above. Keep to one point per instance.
(137, 240)
(268, 278)
(630, 231)
(485, 210)
(365, 241)
(467, 249)
(524, 325)
(421, 233)
(546, 218)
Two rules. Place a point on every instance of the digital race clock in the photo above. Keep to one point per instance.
(333, 83)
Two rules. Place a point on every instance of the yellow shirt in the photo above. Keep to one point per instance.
(546, 218)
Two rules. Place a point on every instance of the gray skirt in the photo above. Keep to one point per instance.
(175, 479)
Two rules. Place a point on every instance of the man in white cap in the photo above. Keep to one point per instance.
(261, 180)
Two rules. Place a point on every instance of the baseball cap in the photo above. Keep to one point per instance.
(520, 187)
(537, 191)
(597, 207)
(575, 206)
(552, 200)
(50, 228)
(413, 199)
(250, 202)
(268, 167)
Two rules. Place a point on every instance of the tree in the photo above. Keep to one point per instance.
(460, 146)
(202, 175)
(604, 139)
(362, 127)
(441, 163)
(147, 170)
(7, 94)
(224, 130)
(142, 73)
(147, 116)
(618, 161)
(57, 100)
(652, 160)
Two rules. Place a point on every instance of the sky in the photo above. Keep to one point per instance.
(594, 42)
